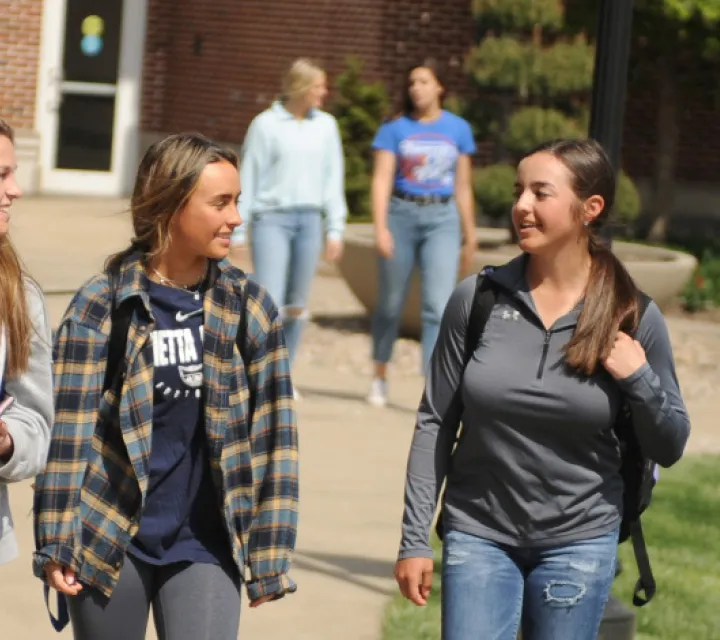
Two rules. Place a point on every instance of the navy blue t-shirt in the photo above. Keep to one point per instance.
(427, 152)
(182, 516)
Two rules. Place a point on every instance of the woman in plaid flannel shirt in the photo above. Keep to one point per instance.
(177, 480)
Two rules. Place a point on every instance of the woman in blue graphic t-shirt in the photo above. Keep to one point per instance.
(422, 205)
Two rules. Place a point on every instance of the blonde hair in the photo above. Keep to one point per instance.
(168, 175)
(13, 304)
(300, 77)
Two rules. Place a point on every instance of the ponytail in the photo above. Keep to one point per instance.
(611, 305)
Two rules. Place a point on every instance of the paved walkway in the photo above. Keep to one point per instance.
(352, 462)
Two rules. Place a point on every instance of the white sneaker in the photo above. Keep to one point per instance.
(378, 396)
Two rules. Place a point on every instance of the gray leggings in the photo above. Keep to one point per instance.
(189, 601)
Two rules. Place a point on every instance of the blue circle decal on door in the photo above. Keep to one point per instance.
(91, 45)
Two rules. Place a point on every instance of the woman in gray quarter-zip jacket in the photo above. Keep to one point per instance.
(25, 375)
(534, 493)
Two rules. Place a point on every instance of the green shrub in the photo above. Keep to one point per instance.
(520, 13)
(360, 108)
(703, 289)
(531, 126)
(495, 189)
(627, 199)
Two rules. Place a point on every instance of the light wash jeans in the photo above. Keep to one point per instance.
(489, 590)
(427, 236)
(285, 250)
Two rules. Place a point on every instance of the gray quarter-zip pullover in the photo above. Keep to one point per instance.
(537, 463)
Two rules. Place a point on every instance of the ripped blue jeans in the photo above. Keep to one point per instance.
(489, 590)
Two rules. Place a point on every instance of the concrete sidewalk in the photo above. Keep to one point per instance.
(352, 461)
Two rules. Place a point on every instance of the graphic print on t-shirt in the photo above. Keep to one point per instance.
(428, 160)
(177, 354)
(176, 347)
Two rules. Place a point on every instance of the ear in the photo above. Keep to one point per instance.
(593, 207)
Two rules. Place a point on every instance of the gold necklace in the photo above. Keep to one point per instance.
(189, 288)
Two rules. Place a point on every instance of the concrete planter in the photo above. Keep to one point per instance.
(661, 273)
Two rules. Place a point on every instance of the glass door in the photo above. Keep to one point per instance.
(87, 125)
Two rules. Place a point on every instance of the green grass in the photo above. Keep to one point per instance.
(682, 529)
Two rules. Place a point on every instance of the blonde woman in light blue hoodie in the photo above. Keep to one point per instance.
(292, 180)
(26, 397)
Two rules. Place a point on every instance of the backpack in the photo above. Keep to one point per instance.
(638, 473)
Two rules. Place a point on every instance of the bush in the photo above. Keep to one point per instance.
(495, 189)
(360, 108)
(531, 126)
(627, 199)
(703, 290)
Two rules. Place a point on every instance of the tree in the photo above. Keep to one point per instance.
(670, 39)
(360, 108)
(672, 36)
(536, 69)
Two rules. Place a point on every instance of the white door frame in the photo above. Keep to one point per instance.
(126, 126)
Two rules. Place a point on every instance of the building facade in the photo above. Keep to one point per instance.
(89, 83)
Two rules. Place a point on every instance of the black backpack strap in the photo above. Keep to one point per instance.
(240, 341)
(645, 586)
(120, 316)
(242, 327)
(482, 305)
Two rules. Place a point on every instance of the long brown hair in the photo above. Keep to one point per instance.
(166, 179)
(611, 297)
(13, 303)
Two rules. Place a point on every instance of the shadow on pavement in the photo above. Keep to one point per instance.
(353, 569)
(356, 323)
(335, 394)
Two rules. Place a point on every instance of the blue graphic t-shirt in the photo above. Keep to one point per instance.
(182, 516)
(427, 152)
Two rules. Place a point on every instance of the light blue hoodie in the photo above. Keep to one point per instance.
(289, 163)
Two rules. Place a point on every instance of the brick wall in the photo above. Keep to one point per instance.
(698, 127)
(20, 25)
(212, 65)
(218, 63)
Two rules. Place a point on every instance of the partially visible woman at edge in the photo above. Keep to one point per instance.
(293, 183)
(26, 400)
(423, 212)
(180, 481)
(534, 492)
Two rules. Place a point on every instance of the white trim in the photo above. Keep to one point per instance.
(49, 77)
(89, 88)
(130, 78)
(128, 91)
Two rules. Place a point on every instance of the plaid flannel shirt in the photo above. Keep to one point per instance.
(88, 501)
